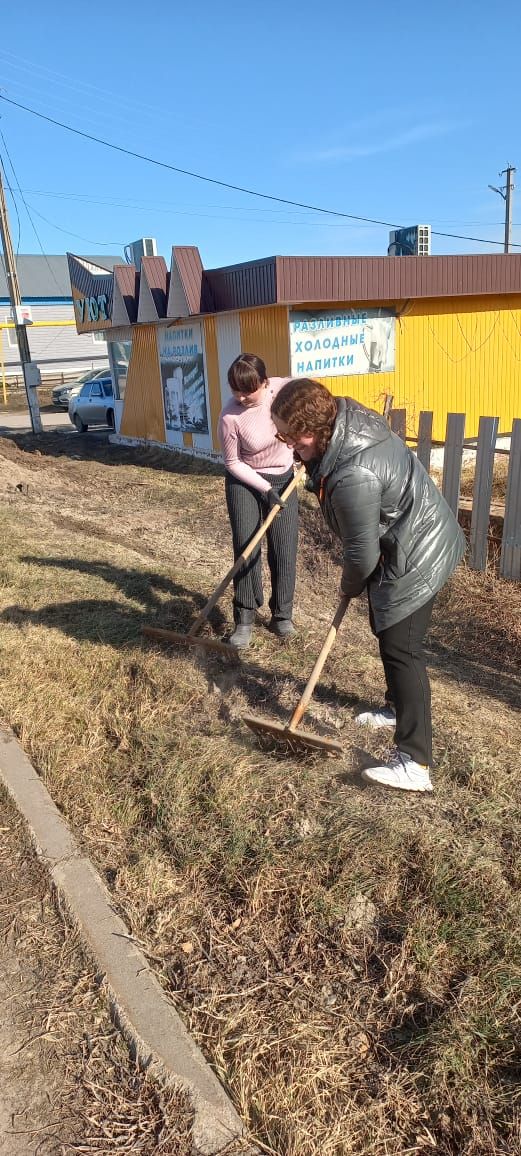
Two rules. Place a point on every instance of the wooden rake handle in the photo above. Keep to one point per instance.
(248, 550)
(303, 704)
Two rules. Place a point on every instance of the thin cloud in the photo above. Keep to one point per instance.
(388, 144)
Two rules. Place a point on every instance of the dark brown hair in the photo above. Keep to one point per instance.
(306, 407)
(247, 373)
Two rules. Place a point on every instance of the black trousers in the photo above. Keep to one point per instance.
(408, 687)
(247, 509)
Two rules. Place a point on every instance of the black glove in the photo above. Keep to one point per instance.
(274, 499)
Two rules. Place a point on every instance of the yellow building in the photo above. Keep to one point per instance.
(435, 333)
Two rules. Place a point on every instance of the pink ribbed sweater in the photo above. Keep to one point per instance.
(248, 442)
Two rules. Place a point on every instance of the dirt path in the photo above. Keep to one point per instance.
(36, 1112)
(67, 1082)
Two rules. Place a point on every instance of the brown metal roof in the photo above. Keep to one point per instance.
(190, 270)
(156, 274)
(299, 280)
(302, 279)
(243, 286)
(127, 279)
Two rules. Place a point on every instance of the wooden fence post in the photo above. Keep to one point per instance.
(424, 446)
(452, 459)
(482, 492)
(398, 418)
(388, 404)
(510, 564)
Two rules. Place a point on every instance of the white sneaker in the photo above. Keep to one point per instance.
(386, 717)
(401, 772)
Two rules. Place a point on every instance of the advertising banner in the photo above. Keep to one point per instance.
(333, 343)
(92, 288)
(182, 373)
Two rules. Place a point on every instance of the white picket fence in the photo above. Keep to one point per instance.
(485, 448)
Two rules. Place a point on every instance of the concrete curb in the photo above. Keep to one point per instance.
(143, 1010)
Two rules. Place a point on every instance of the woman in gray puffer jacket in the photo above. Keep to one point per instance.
(401, 543)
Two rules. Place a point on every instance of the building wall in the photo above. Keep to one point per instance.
(213, 381)
(55, 348)
(458, 356)
(453, 355)
(143, 412)
(260, 331)
(228, 332)
(266, 333)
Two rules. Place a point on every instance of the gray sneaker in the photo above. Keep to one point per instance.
(241, 636)
(282, 627)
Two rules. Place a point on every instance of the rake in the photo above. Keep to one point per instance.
(288, 736)
(193, 637)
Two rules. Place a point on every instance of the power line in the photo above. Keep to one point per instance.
(175, 207)
(227, 184)
(23, 64)
(33, 226)
(104, 244)
(13, 198)
(299, 222)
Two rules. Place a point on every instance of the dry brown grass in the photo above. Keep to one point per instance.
(17, 399)
(468, 473)
(67, 1072)
(349, 960)
(499, 481)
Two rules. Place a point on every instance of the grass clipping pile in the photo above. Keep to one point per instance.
(348, 959)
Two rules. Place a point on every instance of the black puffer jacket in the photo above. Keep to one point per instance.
(400, 538)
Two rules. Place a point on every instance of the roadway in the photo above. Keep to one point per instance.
(19, 421)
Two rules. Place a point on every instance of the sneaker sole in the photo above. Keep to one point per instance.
(374, 726)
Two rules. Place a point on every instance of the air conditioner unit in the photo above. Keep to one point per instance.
(414, 241)
(145, 247)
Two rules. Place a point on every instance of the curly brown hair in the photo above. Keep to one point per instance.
(306, 407)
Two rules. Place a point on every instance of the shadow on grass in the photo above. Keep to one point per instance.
(86, 620)
(137, 585)
(104, 620)
(94, 446)
(117, 624)
(484, 671)
(169, 605)
(120, 625)
(498, 679)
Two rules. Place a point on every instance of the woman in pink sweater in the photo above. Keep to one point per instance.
(258, 468)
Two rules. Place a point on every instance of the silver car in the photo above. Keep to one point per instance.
(61, 394)
(94, 404)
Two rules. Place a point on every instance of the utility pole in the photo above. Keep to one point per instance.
(29, 368)
(506, 192)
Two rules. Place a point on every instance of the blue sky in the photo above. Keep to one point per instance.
(404, 112)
